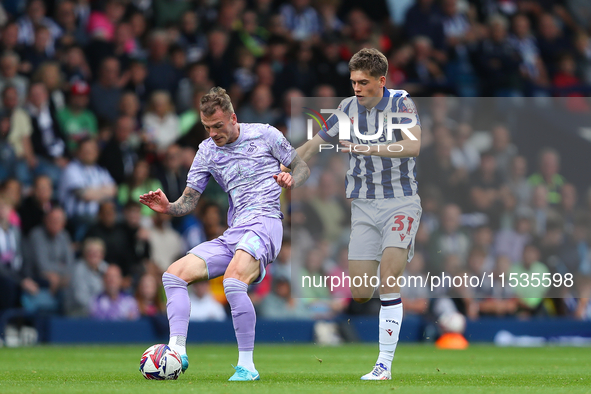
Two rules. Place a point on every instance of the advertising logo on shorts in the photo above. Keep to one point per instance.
(387, 123)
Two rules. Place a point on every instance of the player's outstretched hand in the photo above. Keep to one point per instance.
(157, 201)
(350, 147)
(284, 179)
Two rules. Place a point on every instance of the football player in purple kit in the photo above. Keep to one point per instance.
(244, 158)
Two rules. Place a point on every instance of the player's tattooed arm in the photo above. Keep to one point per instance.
(185, 204)
(299, 171)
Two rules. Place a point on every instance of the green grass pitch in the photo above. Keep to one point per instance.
(302, 369)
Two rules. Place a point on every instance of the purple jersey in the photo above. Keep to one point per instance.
(245, 169)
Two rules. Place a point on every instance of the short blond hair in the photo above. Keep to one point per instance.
(216, 98)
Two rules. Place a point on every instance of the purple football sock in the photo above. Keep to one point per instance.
(178, 306)
(243, 315)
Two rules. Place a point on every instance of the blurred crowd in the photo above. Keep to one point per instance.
(100, 103)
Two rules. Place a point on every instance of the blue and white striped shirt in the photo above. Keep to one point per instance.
(376, 177)
(76, 177)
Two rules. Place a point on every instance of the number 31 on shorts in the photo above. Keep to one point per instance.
(399, 223)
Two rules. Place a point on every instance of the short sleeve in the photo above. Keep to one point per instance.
(199, 174)
(280, 147)
(330, 130)
(406, 105)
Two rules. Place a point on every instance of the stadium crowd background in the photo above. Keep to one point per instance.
(100, 104)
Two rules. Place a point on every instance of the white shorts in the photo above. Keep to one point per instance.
(381, 223)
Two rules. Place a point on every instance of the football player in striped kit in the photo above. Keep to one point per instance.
(381, 178)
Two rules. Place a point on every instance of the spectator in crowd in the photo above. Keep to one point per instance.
(118, 156)
(327, 207)
(161, 74)
(244, 74)
(424, 19)
(203, 306)
(165, 243)
(138, 238)
(12, 277)
(449, 239)
(9, 65)
(36, 15)
(282, 265)
(464, 154)
(84, 184)
(37, 205)
(12, 191)
(138, 183)
(530, 297)
(190, 120)
(137, 81)
(497, 62)
(503, 150)
(147, 297)
(542, 212)
(75, 66)
(49, 73)
(499, 300)
(113, 234)
(532, 67)
(485, 187)
(161, 123)
(300, 73)
(72, 31)
(424, 68)
(301, 20)
(197, 80)
(574, 254)
(106, 92)
(568, 208)
(103, 22)
(280, 305)
(551, 42)
(47, 138)
(76, 121)
(49, 249)
(511, 242)
(171, 174)
(113, 304)
(259, 109)
(39, 52)
(438, 170)
(9, 38)
(219, 60)
(17, 136)
(87, 278)
(192, 39)
(517, 181)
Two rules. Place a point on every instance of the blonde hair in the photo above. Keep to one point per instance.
(88, 242)
(216, 98)
(160, 94)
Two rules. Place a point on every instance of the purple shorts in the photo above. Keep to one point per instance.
(260, 237)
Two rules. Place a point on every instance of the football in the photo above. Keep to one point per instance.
(453, 322)
(159, 362)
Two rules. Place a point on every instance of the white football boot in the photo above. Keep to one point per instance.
(379, 372)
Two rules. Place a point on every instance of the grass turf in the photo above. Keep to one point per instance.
(303, 369)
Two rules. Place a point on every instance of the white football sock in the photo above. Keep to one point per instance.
(177, 343)
(390, 321)
(245, 360)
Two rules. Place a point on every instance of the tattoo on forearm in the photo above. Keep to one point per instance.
(299, 171)
(185, 204)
